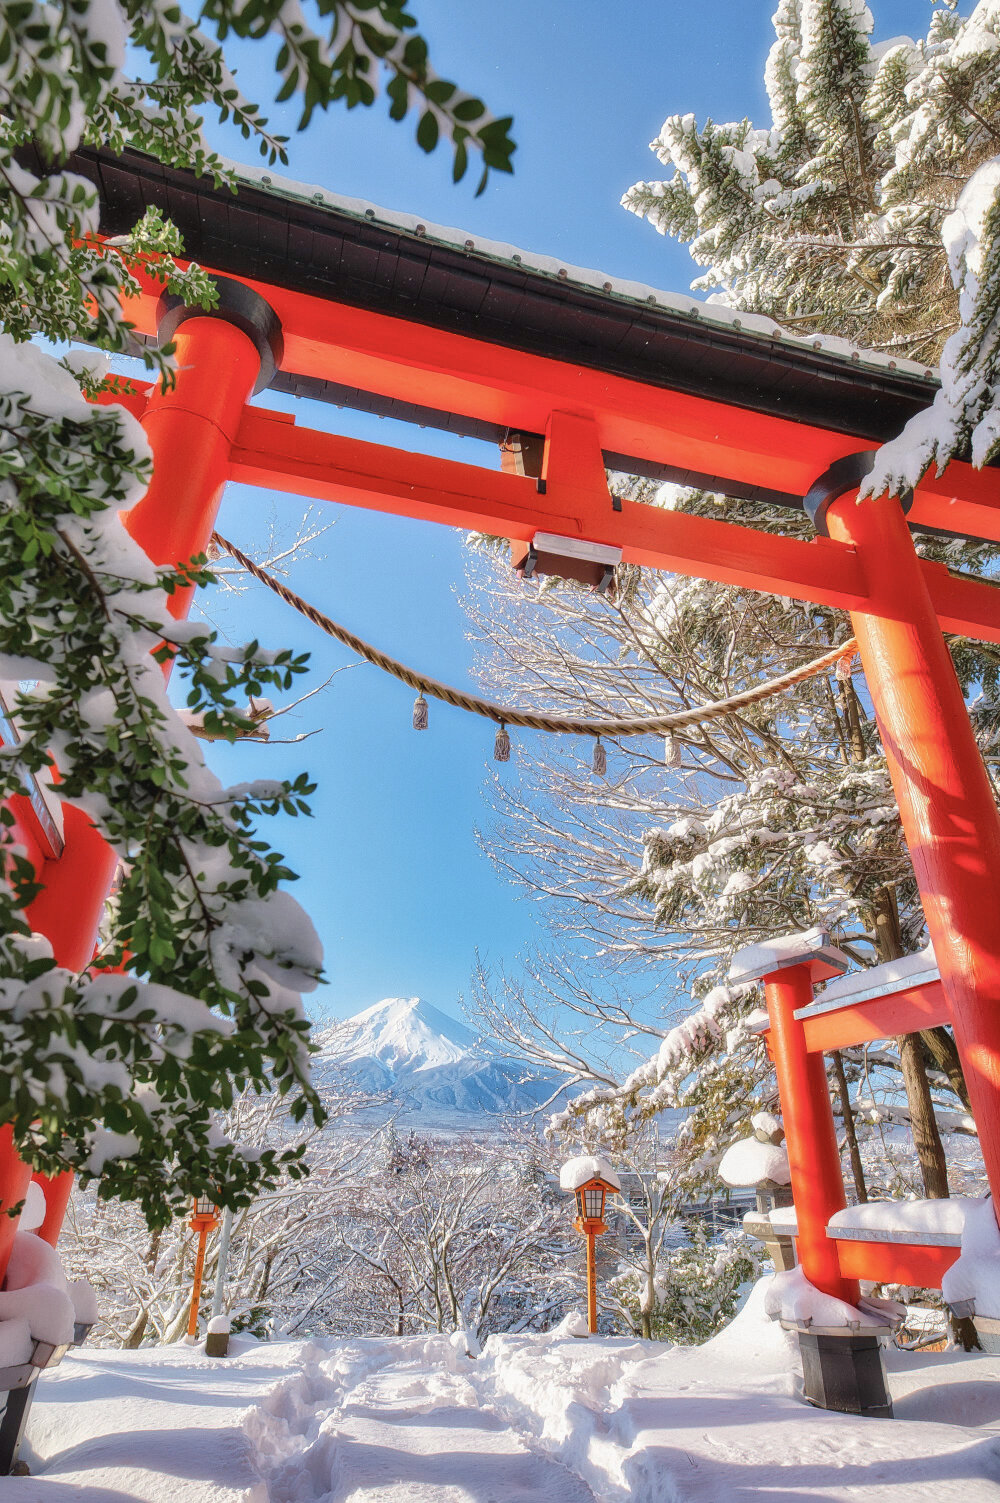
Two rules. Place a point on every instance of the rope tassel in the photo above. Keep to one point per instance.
(600, 758)
(845, 668)
(671, 751)
(501, 746)
(420, 713)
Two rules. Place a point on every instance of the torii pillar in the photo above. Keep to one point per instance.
(946, 802)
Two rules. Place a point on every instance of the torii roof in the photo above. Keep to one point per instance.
(309, 240)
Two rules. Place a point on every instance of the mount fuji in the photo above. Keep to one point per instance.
(430, 1065)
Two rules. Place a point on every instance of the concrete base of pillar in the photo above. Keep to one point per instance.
(14, 1409)
(845, 1371)
(217, 1344)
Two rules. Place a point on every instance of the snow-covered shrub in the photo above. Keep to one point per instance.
(696, 1288)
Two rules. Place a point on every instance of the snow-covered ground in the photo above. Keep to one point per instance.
(547, 1418)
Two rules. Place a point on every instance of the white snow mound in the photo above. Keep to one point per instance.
(976, 1274)
(790, 1296)
(749, 1162)
(586, 1166)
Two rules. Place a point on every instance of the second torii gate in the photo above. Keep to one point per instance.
(578, 415)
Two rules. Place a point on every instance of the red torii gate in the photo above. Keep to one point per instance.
(203, 433)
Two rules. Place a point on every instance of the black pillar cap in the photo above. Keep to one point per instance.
(843, 475)
(238, 305)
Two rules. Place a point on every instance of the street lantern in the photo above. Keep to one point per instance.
(205, 1210)
(204, 1219)
(590, 1203)
(590, 1180)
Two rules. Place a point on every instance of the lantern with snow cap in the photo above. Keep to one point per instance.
(590, 1179)
(204, 1219)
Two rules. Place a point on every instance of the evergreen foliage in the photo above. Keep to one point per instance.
(696, 1290)
(121, 1073)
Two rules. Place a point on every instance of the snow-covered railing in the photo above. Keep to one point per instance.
(899, 996)
(917, 1223)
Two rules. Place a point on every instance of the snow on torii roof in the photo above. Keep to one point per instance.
(307, 239)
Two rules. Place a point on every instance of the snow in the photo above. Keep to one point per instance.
(766, 1123)
(534, 1419)
(33, 1213)
(784, 1219)
(46, 1309)
(219, 1325)
(791, 1297)
(573, 1324)
(755, 961)
(750, 1162)
(882, 978)
(976, 1273)
(15, 1344)
(576, 1172)
(919, 1218)
(84, 1298)
(36, 1292)
(407, 1033)
(431, 1064)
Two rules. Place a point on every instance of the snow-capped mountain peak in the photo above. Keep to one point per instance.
(429, 1063)
(407, 1033)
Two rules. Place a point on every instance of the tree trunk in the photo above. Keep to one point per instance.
(923, 1124)
(857, 1168)
(941, 1047)
(134, 1338)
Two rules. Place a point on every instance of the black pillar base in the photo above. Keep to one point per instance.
(845, 1371)
(13, 1419)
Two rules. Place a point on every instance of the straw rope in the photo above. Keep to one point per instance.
(534, 720)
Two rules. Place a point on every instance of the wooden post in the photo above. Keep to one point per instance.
(204, 1227)
(591, 1284)
(810, 1132)
(946, 803)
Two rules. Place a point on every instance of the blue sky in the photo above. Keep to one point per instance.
(389, 864)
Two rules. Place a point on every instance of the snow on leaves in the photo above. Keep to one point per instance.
(114, 1075)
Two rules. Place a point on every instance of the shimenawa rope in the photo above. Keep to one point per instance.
(534, 720)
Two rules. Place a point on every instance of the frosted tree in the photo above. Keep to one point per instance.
(460, 1237)
(777, 818)
(879, 178)
(121, 1075)
(853, 212)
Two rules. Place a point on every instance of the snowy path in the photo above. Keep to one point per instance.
(402, 1434)
(533, 1420)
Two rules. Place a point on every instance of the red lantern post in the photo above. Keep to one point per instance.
(203, 1221)
(590, 1179)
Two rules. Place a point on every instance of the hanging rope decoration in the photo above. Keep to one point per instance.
(840, 658)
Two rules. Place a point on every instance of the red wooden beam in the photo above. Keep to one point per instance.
(879, 1018)
(456, 373)
(328, 467)
(271, 451)
(920, 1265)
